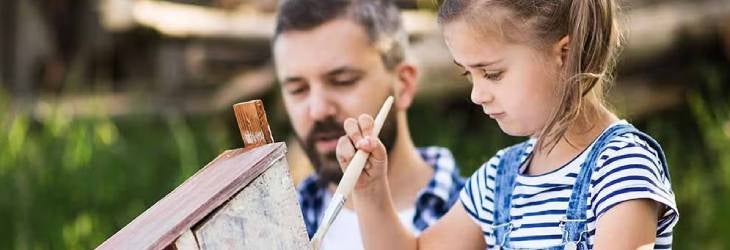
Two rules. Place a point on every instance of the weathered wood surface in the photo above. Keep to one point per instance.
(198, 196)
(264, 215)
(252, 123)
(186, 241)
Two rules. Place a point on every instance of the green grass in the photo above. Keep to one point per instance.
(69, 184)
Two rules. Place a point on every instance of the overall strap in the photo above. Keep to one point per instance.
(507, 171)
(658, 148)
(574, 223)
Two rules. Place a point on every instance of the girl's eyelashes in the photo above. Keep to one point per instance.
(493, 75)
(489, 75)
(467, 75)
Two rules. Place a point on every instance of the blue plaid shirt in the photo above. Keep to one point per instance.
(433, 201)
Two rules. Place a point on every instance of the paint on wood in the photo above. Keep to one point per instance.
(264, 215)
(198, 196)
(252, 123)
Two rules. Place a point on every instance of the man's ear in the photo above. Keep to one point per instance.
(560, 50)
(406, 85)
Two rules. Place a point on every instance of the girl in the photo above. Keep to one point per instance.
(584, 180)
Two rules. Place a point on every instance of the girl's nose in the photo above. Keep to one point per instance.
(480, 94)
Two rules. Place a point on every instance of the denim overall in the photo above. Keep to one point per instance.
(574, 226)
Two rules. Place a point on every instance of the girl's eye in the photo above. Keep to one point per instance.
(466, 74)
(493, 76)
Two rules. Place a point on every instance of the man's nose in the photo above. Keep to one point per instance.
(321, 106)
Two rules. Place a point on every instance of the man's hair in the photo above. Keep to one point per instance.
(380, 18)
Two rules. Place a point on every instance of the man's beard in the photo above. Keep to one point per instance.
(326, 165)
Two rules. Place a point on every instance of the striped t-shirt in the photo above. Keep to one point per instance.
(626, 169)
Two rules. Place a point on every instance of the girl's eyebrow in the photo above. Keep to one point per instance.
(479, 64)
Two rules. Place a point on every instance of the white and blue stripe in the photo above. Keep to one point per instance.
(627, 169)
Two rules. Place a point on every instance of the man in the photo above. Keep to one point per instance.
(337, 59)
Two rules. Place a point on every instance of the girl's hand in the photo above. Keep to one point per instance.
(359, 136)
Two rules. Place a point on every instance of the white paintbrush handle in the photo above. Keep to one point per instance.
(349, 178)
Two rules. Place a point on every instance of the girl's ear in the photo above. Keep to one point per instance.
(406, 85)
(561, 50)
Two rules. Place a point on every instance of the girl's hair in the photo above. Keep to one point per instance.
(594, 43)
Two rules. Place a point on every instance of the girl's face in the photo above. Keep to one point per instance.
(514, 84)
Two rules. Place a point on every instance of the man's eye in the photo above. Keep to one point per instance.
(345, 79)
(344, 83)
(295, 90)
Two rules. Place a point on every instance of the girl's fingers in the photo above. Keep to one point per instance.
(366, 124)
(378, 155)
(352, 129)
(359, 137)
(344, 152)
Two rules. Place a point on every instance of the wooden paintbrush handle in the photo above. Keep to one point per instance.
(352, 173)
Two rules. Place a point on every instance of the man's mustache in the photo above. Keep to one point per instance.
(325, 129)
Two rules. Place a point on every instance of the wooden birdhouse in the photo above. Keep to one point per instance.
(243, 199)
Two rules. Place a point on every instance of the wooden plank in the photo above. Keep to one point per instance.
(264, 215)
(209, 188)
(186, 241)
(252, 123)
(209, 22)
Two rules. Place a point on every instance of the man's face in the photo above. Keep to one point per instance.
(328, 74)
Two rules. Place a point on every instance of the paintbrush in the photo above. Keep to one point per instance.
(349, 178)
